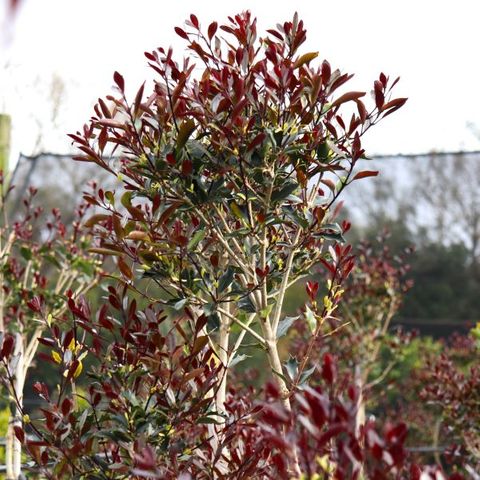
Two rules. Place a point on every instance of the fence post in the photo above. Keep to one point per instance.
(5, 127)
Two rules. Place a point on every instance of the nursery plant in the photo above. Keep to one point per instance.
(232, 169)
(231, 172)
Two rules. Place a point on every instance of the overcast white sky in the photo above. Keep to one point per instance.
(433, 46)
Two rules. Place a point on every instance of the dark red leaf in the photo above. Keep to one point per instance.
(256, 141)
(365, 174)
(19, 433)
(347, 97)
(66, 406)
(212, 28)
(379, 96)
(328, 368)
(181, 33)
(8, 344)
(194, 21)
(120, 82)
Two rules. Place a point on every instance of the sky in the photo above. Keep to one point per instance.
(77, 45)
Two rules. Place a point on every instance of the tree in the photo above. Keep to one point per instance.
(448, 186)
(231, 178)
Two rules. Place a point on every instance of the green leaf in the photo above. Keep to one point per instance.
(226, 279)
(207, 419)
(305, 376)
(292, 214)
(238, 359)
(26, 253)
(237, 211)
(265, 312)
(126, 199)
(322, 151)
(337, 237)
(332, 226)
(281, 375)
(284, 325)
(291, 366)
(213, 320)
(196, 239)
(310, 318)
(284, 192)
(180, 304)
(246, 305)
(88, 268)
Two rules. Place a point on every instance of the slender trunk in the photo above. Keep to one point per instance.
(17, 446)
(276, 366)
(13, 446)
(360, 386)
(360, 413)
(9, 448)
(223, 345)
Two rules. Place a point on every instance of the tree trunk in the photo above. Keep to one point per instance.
(276, 366)
(360, 413)
(360, 386)
(223, 345)
(13, 446)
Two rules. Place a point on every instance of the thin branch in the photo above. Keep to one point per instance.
(243, 325)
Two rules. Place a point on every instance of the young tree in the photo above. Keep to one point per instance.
(232, 175)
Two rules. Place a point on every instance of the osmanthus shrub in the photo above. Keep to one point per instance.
(231, 171)
(232, 167)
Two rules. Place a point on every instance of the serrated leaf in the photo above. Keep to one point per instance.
(295, 217)
(291, 366)
(306, 375)
(284, 325)
(246, 305)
